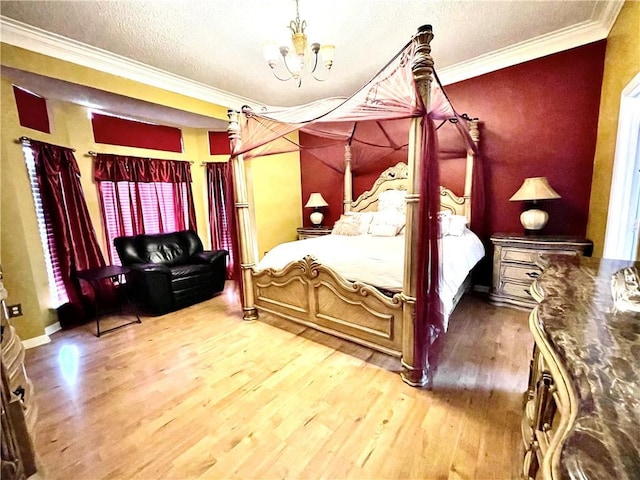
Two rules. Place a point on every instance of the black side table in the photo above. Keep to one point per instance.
(115, 274)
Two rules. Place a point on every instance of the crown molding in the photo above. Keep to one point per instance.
(53, 45)
(607, 17)
(597, 28)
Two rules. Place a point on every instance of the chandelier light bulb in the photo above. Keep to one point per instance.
(326, 52)
(294, 63)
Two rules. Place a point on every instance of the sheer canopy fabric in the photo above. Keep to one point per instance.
(375, 122)
(390, 96)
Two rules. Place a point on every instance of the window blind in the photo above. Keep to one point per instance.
(56, 286)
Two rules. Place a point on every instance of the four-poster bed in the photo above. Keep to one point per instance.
(404, 323)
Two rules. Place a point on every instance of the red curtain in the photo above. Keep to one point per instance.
(220, 210)
(76, 245)
(478, 199)
(429, 313)
(143, 195)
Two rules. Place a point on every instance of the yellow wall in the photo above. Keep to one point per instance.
(25, 277)
(622, 63)
(276, 180)
(276, 215)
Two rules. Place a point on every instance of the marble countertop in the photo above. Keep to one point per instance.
(599, 346)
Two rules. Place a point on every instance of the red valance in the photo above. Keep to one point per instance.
(118, 168)
(132, 133)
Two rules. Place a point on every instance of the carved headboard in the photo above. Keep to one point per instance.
(396, 178)
(393, 178)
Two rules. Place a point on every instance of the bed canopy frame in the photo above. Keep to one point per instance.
(313, 294)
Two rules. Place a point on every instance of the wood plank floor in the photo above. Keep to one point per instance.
(199, 393)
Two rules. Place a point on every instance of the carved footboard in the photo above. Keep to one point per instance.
(314, 295)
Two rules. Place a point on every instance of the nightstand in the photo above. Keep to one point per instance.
(310, 232)
(515, 264)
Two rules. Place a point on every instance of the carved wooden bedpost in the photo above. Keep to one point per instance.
(471, 156)
(415, 368)
(246, 235)
(348, 192)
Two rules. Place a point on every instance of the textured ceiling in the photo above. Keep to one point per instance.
(219, 43)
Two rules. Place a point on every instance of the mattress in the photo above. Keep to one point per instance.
(379, 261)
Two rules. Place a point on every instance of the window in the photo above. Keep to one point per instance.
(130, 208)
(143, 195)
(56, 285)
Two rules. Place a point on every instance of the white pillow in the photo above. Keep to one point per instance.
(363, 220)
(393, 200)
(387, 223)
(457, 225)
(450, 224)
(384, 230)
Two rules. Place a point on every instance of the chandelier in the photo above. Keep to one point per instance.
(303, 55)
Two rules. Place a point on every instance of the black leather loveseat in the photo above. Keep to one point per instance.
(171, 270)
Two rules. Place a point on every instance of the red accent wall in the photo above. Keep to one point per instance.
(32, 110)
(129, 133)
(219, 143)
(538, 118)
(316, 176)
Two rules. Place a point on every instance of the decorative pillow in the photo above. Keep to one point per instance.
(363, 220)
(347, 225)
(393, 200)
(387, 223)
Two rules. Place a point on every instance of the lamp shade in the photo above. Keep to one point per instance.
(535, 188)
(327, 51)
(316, 201)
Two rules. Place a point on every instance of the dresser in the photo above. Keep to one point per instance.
(19, 409)
(516, 264)
(581, 411)
(310, 232)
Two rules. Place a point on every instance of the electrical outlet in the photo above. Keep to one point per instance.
(15, 310)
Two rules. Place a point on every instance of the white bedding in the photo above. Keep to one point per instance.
(379, 261)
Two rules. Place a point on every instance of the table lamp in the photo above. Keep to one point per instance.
(533, 190)
(316, 202)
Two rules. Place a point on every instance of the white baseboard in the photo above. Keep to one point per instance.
(35, 341)
(41, 339)
(51, 329)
